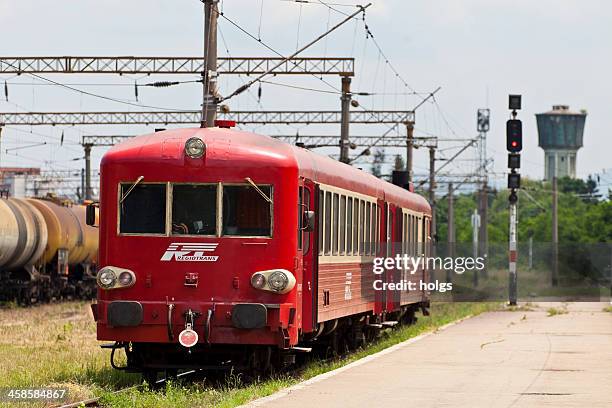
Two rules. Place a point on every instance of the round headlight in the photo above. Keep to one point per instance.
(106, 278)
(258, 281)
(278, 281)
(126, 278)
(195, 148)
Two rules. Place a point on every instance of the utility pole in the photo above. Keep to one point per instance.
(483, 233)
(475, 233)
(483, 125)
(409, 146)
(209, 75)
(345, 119)
(87, 191)
(451, 229)
(432, 189)
(81, 193)
(555, 234)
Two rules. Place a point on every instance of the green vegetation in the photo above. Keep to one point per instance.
(554, 311)
(582, 218)
(608, 309)
(55, 346)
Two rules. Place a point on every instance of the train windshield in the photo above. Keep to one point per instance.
(246, 212)
(143, 210)
(194, 209)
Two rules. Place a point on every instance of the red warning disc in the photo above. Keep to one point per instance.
(188, 338)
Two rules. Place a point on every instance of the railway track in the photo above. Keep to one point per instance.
(95, 402)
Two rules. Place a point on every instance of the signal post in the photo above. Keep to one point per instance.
(514, 145)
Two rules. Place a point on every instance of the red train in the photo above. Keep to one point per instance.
(226, 248)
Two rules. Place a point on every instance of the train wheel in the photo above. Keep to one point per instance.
(150, 377)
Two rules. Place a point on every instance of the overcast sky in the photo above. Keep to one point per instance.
(478, 51)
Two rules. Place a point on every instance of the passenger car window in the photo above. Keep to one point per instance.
(246, 212)
(143, 211)
(194, 209)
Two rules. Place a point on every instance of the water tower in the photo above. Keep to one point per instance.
(560, 134)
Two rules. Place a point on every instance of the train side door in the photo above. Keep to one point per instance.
(307, 251)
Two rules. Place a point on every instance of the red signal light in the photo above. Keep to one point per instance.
(514, 144)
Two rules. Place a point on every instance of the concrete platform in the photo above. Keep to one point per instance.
(498, 359)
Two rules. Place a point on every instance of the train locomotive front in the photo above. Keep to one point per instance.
(197, 250)
(226, 249)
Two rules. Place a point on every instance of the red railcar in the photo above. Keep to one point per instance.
(220, 246)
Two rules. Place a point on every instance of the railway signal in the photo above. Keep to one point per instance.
(514, 145)
(514, 135)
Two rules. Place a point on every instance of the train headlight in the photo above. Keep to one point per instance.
(106, 278)
(112, 277)
(195, 147)
(278, 281)
(127, 278)
(258, 281)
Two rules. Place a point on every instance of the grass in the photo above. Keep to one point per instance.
(608, 309)
(55, 346)
(554, 311)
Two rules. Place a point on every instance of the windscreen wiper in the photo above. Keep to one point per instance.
(268, 199)
(138, 180)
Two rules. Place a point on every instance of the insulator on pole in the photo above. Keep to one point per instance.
(136, 90)
(62, 139)
(259, 93)
(5, 91)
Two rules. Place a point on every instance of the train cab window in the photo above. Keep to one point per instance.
(142, 208)
(246, 212)
(194, 209)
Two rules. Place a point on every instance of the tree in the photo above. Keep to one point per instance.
(379, 160)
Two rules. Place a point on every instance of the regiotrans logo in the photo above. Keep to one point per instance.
(190, 252)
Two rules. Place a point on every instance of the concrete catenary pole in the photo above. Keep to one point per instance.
(475, 232)
(555, 235)
(409, 147)
(345, 119)
(209, 75)
(432, 189)
(87, 193)
(483, 233)
(451, 229)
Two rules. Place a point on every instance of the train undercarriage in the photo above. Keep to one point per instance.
(334, 338)
(29, 285)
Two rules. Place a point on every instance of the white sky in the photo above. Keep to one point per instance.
(478, 51)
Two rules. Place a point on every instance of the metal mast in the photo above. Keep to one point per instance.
(209, 75)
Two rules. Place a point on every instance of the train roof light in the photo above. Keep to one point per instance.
(195, 147)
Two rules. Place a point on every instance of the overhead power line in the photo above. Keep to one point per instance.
(299, 51)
